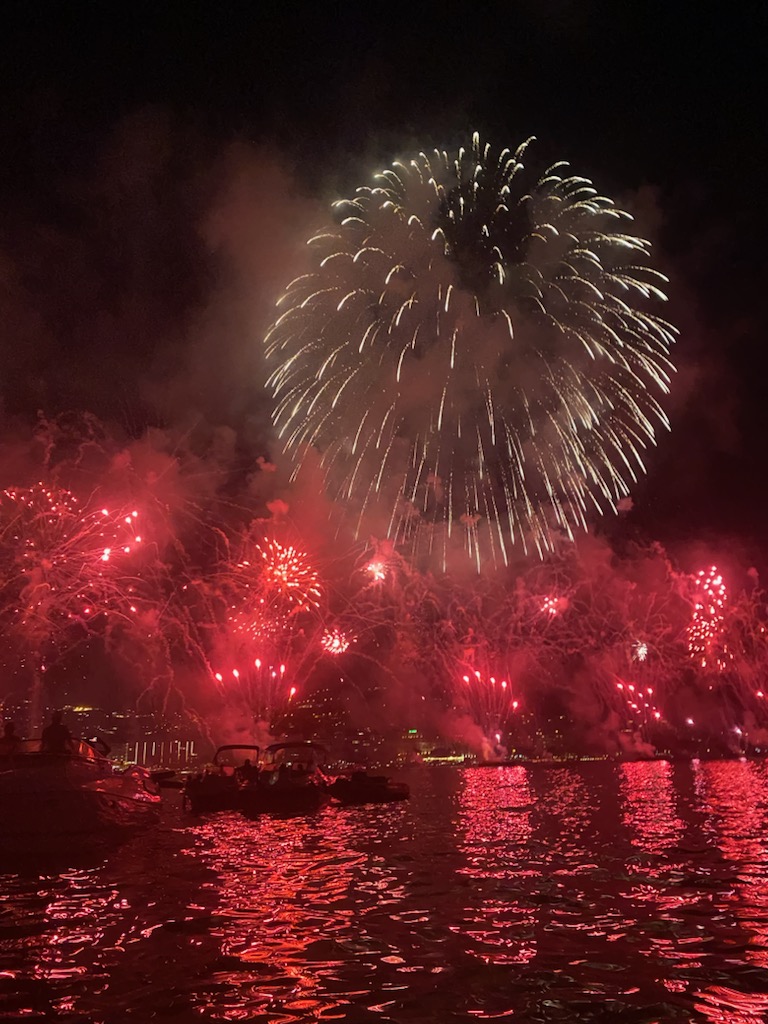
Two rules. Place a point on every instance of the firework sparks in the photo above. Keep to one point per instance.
(263, 585)
(639, 650)
(270, 594)
(705, 632)
(640, 703)
(262, 686)
(489, 699)
(288, 573)
(62, 562)
(65, 575)
(377, 571)
(473, 344)
(550, 606)
(334, 641)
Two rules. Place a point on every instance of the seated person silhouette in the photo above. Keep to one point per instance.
(247, 771)
(56, 736)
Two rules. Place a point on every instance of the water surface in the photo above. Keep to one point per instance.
(588, 892)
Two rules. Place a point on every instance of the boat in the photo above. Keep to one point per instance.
(77, 791)
(219, 787)
(362, 788)
(290, 781)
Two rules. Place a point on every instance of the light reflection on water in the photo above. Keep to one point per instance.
(587, 892)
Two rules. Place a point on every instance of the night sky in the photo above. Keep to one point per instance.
(159, 169)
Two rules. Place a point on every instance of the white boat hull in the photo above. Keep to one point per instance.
(70, 795)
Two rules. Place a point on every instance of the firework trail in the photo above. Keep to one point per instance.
(262, 687)
(474, 344)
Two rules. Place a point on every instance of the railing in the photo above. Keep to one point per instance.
(161, 753)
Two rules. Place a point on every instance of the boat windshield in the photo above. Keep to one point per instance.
(235, 756)
(306, 755)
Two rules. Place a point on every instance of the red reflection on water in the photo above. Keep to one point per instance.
(566, 805)
(736, 794)
(496, 805)
(77, 915)
(496, 818)
(650, 811)
(723, 1005)
(282, 888)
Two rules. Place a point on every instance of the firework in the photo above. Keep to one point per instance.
(490, 700)
(639, 650)
(334, 641)
(63, 563)
(287, 574)
(705, 632)
(264, 584)
(551, 606)
(266, 590)
(262, 686)
(640, 703)
(474, 344)
(377, 571)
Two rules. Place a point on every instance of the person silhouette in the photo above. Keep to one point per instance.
(56, 736)
(9, 741)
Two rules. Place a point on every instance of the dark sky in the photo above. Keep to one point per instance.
(116, 122)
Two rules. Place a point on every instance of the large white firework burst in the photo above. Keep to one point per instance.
(474, 346)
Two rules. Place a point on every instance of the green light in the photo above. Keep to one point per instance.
(412, 732)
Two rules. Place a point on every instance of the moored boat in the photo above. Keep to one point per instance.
(76, 791)
(219, 787)
(291, 781)
(362, 788)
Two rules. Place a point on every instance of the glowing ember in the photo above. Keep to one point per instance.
(260, 686)
(639, 700)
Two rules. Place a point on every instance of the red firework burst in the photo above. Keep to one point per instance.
(287, 572)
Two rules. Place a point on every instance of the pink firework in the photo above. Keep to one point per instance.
(705, 632)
